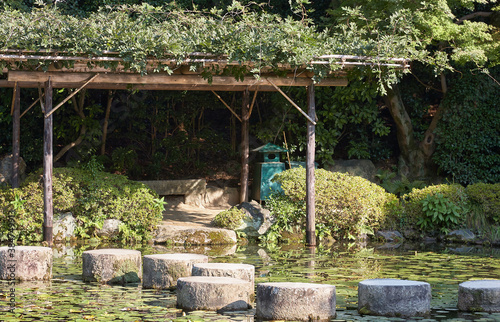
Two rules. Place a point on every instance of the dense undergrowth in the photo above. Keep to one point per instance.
(91, 196)
(350, 207)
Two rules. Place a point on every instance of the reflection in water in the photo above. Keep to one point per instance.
(68, 298)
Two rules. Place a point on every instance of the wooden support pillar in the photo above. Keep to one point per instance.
(48, 207)
(245, 146)
(16, 136)
(310, 178)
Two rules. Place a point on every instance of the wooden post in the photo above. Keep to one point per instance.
(48, 207)
(16, 135)
(310, 179)
(245, 147)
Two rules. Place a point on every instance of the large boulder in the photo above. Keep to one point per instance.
(6, 169)
(361, 168)
(257, 220)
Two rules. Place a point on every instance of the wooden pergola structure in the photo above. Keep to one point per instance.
(80, 76)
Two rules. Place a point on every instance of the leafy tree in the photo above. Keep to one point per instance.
(438, 35)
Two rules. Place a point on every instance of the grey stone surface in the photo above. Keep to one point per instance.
(481, 295)
(181, 235)
(242, 271)
(213, 293)
(6, 168)
(390, 235)
(161, 271)
(393, 297)
(64, 226)
(221, 197)
(295, 301)
(112, 266)
(461, 235)
(192, 189)
(26, 263)
(361, 168)
(110, 228)
(257, 220)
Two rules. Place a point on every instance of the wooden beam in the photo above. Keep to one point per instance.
(253, 103)
(310, 178)
(165, 79)
(229, 107)
(48, 207)
(71, 95)
(16, 137)
(293, 103)
(245, 146)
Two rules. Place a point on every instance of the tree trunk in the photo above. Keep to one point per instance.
(106, 121)
(415, 160)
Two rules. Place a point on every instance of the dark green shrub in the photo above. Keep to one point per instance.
(414, 212)
(467, 136)
(346, 206)
(230, 219)
(91, 197)
(485, 198)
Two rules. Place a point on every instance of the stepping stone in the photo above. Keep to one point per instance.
(25, 263)
(241, 271)
(161, 271)
(112, 266)
(213, 293)
(295, 301)
(393, 297)
(481, 295)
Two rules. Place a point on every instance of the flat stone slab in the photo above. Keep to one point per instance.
(295, 301)
(161, 271)
(26, 263)
(213, 293)
(112, 266)
(182, 235)
(394, 297)
(242, 271)
(479, 296)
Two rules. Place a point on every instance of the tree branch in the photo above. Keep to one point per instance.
(474, 15)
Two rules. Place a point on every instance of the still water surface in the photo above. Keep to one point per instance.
(67, 298)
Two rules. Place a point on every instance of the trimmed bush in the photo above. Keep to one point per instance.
(486, 198)
(90, 196)
(415, 201)
(230, 219)
(346, 206)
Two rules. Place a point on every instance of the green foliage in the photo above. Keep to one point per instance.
(230, 219)
(347, 206)
(289, 217)
(396, 186)
(485, 199)
(468, 136)
(439, 213)
(429, 205)
(90, 197)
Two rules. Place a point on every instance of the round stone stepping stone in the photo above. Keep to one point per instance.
(394, 297)
(242, 271)
(26, 263)
(112, 266)
(481, 295)
(213, 293)
(295, 301)
(161, 271)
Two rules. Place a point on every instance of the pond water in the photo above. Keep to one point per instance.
(66, 297)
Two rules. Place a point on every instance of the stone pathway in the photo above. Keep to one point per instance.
(186, 224)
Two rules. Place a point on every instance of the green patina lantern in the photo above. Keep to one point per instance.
(264, 171)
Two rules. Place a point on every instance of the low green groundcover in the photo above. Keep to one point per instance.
(91, 197)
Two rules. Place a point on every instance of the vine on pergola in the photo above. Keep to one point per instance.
(144, 39)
